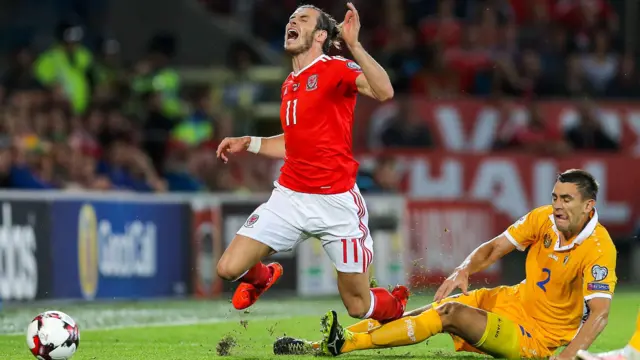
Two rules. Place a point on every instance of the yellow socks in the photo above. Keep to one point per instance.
(635, 339)
(405, 331)
(364, 326)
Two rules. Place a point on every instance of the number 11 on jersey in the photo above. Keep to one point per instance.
(291, 112)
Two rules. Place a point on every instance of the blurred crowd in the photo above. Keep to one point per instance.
(451, 48)
(75, 117)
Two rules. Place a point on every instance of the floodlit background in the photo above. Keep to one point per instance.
(111, 110)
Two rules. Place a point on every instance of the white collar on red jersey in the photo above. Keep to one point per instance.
(582, 236)
(322, 57)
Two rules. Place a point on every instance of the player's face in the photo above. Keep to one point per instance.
(300, 32)
(570, 209)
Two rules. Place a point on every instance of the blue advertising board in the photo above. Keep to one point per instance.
(104, 249)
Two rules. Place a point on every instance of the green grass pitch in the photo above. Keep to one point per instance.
(191, 329)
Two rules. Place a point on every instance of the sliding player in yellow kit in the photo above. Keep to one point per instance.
(571, 263)
(629, 352)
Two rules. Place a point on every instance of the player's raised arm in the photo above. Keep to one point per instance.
(374, 80)
(272, 147)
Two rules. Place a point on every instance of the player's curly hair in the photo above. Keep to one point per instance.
(327, 23)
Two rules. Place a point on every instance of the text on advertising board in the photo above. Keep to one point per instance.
(18, 266)
(128, 254)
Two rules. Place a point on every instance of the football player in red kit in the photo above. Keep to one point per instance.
(316, 194)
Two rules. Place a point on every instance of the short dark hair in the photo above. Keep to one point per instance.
(585, 182)
(327, 23)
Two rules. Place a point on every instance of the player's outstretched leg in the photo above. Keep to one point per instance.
(291, 346)
(629, 352)
(486, 331)
(245, 253)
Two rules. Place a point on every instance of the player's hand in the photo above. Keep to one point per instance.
(459, 279)
(350, 26)
(231, 145)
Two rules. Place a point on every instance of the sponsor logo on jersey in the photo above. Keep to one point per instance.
(598, 287)
(599, 272)
(312, 82)
(295, 87)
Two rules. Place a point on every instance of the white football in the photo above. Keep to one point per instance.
(53, 335)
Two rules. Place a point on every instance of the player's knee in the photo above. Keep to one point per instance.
(356, 307)
(452, 316)
(357, 311)
(226, 271)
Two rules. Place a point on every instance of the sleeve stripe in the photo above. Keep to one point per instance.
(597, 295)
(513, 241)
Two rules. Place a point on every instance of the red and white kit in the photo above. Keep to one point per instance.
(316, 194)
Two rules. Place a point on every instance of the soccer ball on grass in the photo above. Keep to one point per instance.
(53, 335)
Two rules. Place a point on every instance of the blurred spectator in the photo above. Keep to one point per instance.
(435, 80)
(407, 129)
(128, 168)
(239, 93)
(535, 135)
(19, 77)
(526, 78)
(626, 84)
(588, 133)
(154, 74)
(384, 177)
(600, 66)
(405, 58)
(583, 17)
(444, 29)
(110, 77)
(67, 66)
(469, 60)
(6, 162)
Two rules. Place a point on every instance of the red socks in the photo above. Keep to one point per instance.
(257, 276)
(384, 306)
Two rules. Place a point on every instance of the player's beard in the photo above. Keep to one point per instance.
(304, 47)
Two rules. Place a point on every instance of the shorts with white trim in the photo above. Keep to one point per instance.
(339, 221)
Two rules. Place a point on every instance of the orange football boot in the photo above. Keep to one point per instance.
(247, 294)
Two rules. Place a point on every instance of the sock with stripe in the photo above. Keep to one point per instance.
(406, 331)
(257, 276)
(384, 306)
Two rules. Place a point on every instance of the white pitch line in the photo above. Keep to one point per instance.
(166, 324)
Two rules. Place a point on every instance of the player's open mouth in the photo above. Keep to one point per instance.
(292, 34)
(560, 217)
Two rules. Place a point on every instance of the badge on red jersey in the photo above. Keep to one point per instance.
(312, 82)
(353, 65)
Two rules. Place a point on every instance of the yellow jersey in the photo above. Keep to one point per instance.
(560, 280)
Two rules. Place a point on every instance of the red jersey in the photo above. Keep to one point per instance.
(317, 118)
